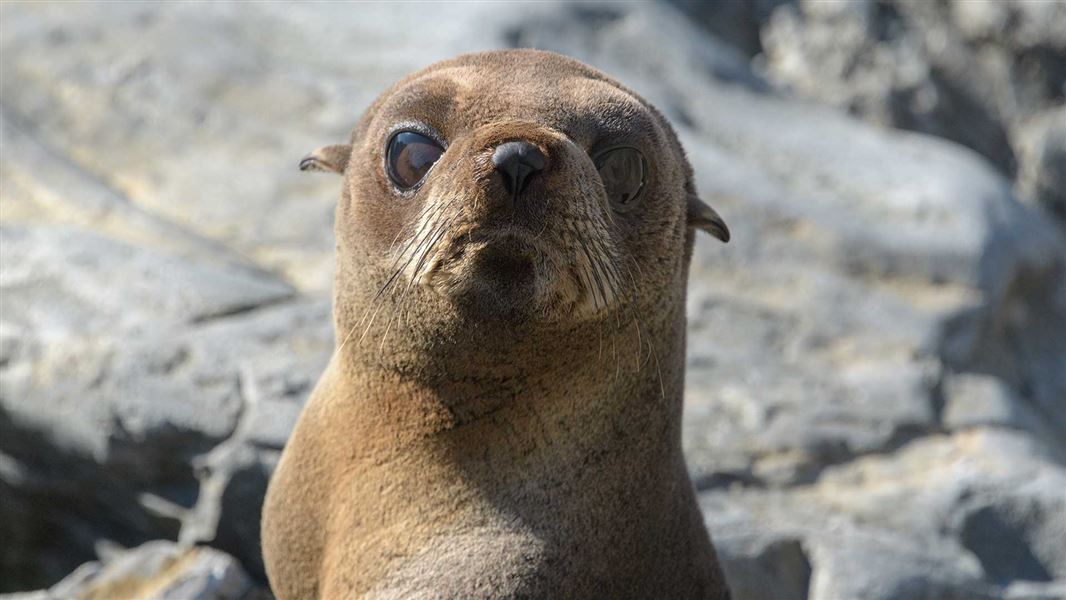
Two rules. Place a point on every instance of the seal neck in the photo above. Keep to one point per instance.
(597, 376)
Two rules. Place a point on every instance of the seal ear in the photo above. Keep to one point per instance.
(327, 158)
(704, 217)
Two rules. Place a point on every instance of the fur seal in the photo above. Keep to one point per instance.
(501, 417)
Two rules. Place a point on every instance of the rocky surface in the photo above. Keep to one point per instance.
(877, 362)
(989, 75)
(159, 570)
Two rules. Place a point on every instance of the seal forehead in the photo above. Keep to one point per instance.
(572, 98)
(431, 98)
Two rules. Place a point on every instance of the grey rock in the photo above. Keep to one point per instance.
(736, 22)
(872, 59)
(844, 557)
(969, 71)
(113, 444)
(972, 400)
(71, 585)
(765, 570)
(760, 563)
(904, 569)
(999, 493)
(1041, 148)
(43, 187)
(159, 570)
(1033, 590)
(61, 283)
(1017, 533)
(960, 516)
(972, 72)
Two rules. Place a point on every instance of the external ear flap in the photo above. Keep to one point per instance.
(704, 217)
(327, 158)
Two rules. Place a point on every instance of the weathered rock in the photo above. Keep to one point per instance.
(760, 563)
(736, 22)
(972, 400)
(839, 556)
(1041, 146)
(885, 565)
(998, 492)
(108, 434)
(1032, 590)
(61, 283)
(972, 515)
(42, 187)
(972, 72)
(158, 570)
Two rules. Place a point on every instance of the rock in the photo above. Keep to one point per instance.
(759, 563)
(972, 72)
(972, 400)
(963, 516)
(159, 570)
(736, 22)
(819, 553)
(67, 283)
(1018, 534)
(765, 570)
(1041, 147)
(904, 569)
(1031, 590)
(110, 434)
(874, 60)
(41, 187)
(998, 492)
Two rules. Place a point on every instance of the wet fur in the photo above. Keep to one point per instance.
(472, 440)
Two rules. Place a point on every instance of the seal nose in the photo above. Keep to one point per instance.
(516, 161)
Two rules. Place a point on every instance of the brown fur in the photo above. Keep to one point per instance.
(481, 437)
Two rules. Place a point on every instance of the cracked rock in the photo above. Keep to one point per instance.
(158, 570)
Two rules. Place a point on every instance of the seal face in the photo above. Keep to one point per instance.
(537, 199)
(505, 218)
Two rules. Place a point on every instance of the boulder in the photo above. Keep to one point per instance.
(157, 570)
(983, 74)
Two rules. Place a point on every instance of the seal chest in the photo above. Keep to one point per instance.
(501, 416)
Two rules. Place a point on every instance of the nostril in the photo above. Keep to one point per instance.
(516, 161)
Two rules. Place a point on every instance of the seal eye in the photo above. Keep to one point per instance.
(622, 171)
(409, 157)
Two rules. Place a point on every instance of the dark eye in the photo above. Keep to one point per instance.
(409, 157)
(622, 170)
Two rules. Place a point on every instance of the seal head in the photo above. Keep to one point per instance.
(539, 199)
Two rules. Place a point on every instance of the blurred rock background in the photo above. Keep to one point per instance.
(877, 363)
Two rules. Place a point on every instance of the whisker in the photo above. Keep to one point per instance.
(414, 237)
(376, 302)
(658, 369)
(592, 271)
(437, 235)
